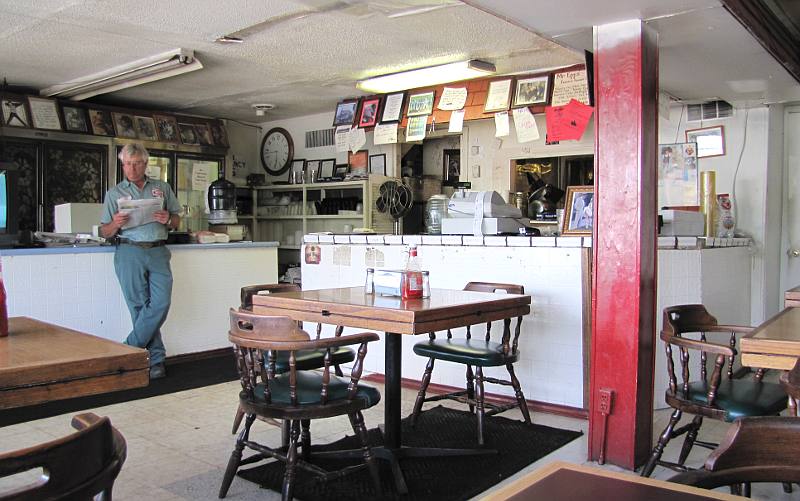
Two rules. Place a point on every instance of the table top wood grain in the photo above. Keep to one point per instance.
(560, 480)
(40, 362)
(775, 344)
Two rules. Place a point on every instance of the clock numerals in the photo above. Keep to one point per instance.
(277, 150)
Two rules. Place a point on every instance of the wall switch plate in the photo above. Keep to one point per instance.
(476, 171)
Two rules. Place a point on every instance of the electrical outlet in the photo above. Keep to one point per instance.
(476, 171)
(605, 400)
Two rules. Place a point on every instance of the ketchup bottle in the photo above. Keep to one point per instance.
(3, 309)
(412, 276)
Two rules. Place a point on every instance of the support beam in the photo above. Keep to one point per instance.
(624, 243)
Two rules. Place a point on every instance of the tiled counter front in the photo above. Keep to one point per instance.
(553, 271)
(77, 288)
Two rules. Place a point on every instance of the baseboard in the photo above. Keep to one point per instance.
(199, 355)
(534, 405)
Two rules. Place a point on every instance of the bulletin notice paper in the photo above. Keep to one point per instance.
(342, 138)
(356, 139)
(501, 124)
(139, 211)
(453, 98)
(456, 121)
(385, 134)
(525, 125)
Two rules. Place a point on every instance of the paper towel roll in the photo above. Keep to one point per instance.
(708, 200)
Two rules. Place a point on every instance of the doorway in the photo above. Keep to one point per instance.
(790, 237)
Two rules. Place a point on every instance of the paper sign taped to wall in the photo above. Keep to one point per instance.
(200, 171)
(525, 125)
(456, 121)
(342, 138)
(385, 134)
(453, 98)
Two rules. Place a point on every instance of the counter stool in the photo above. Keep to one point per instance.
(477, 353)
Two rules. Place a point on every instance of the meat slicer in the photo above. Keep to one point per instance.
(481, 213)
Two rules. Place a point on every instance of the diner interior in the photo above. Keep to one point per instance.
(566, 274)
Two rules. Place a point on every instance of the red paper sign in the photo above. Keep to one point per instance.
(568, 121)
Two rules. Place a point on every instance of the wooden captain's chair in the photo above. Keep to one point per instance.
(478, 353)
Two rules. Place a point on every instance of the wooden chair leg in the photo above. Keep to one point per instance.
(237, 420)
(658, 450)
(305, 438)
(236, 457)
(423, 387)
(479, 401)
(691, 436)
(523, 405)
(338, 370)
(357, 422)
(287, 491)
(470, 389)
(285, 432)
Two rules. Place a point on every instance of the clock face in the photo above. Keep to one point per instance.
(277, 151)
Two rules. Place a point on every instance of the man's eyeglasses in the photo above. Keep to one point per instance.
(133, 163)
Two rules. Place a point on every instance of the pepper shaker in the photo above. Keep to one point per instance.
(369, 284)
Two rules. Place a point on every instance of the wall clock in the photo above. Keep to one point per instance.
(277, 151)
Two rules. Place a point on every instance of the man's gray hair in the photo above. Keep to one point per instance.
(134, 150)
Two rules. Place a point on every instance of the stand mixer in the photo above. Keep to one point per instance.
(542, 202)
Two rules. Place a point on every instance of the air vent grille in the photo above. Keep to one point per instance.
(318, 138)
(708, 111)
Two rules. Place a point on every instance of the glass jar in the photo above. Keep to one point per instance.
(435, 211)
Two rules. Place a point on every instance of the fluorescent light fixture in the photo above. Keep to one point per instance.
(168, 64)
(424, 77)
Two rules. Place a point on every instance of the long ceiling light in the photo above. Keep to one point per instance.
(168, 64)
(424, 77)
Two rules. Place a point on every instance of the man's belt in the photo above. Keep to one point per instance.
(143, 245)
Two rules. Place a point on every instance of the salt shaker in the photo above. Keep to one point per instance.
(426, 284)
(369, 284)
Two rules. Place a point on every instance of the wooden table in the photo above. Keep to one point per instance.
(775, 344)
(564, 481)
(351, 307)
(40, 362)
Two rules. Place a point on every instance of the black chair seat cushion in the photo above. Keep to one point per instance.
(466, 351)
(309, 385)
(742, 398)
(313, 359)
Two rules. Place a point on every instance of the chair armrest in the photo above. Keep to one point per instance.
(739, 329)
(706, 346)
(85, 420)
(350, 339)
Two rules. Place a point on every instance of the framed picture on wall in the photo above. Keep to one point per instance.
(326, 167)
(369, 112)
(298, 171)
(377, 164)
(101, 122)
(420, 104)
(125, 125)
(579, 211)
(146, 128)
(393, 107)
(44, 113)
(357, 163)
(451, 168)
(498, 97)
(74, 119)
(345, 112)
(340, 171)
(530, 91)
(710, 141)
(15, 111)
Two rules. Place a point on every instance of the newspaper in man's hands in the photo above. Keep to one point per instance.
(139, 211)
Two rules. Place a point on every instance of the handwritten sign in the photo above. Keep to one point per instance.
(570, 85)
(452, 98)
(342, 138)
(567, 122)
(501, 124)
(385, 134)
(525, 125)
(456, 121)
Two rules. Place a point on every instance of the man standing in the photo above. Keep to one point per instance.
(141, 260)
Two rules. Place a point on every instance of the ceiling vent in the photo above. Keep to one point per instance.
(317, 138)
(708, 111)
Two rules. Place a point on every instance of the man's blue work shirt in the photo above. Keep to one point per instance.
(153, 188)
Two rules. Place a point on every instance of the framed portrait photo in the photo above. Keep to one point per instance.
(529, 91)
(146, 128)
(188, 134)
(167, 128)
(451, 168)
(498, 98)
(369, 112)
(377, 164)
(218, 134)
(74, 119)
(15, 111)
(44, 113)
(393, 107)
(579, 211)
(345, 112)
(710, 141)
(420, 104)
(326, 168)
(125, 125)
(203, 132)
(101, 122)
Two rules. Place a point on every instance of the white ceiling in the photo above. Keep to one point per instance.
(305, 55)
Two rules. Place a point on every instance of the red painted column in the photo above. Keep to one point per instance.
(624, 241)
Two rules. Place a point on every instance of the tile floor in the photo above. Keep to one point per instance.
(179, 444)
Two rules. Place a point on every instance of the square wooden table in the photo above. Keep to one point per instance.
(351, 307)
(775, 344)
(561, 480)
(40, 362)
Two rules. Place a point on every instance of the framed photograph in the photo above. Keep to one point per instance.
(345, 112)
(44, 113)
(203, 132)
(357, 163)
(393, 107)
(102, 125)
(15, 111)
(312, 168)
(326, 168)
(218, 134)
(415, 128)
(499, 96)
(124, 125)
(530, 91)
(340, 171)
(677, 175)
(710, 141)
(420, 104)
(74, 119)
(297, 171)
(579, 211)
(369, 112)
(188, 134)
(451, 168)
(377, 164)
(167, 128)
(146, 128)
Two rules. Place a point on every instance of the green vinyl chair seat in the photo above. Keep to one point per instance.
(741, 398)
(313, 359)
(466, 351)
(309, 385)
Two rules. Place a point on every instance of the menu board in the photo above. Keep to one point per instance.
(570, 85)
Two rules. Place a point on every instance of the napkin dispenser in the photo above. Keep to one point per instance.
(388, 282)
(680, 223)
